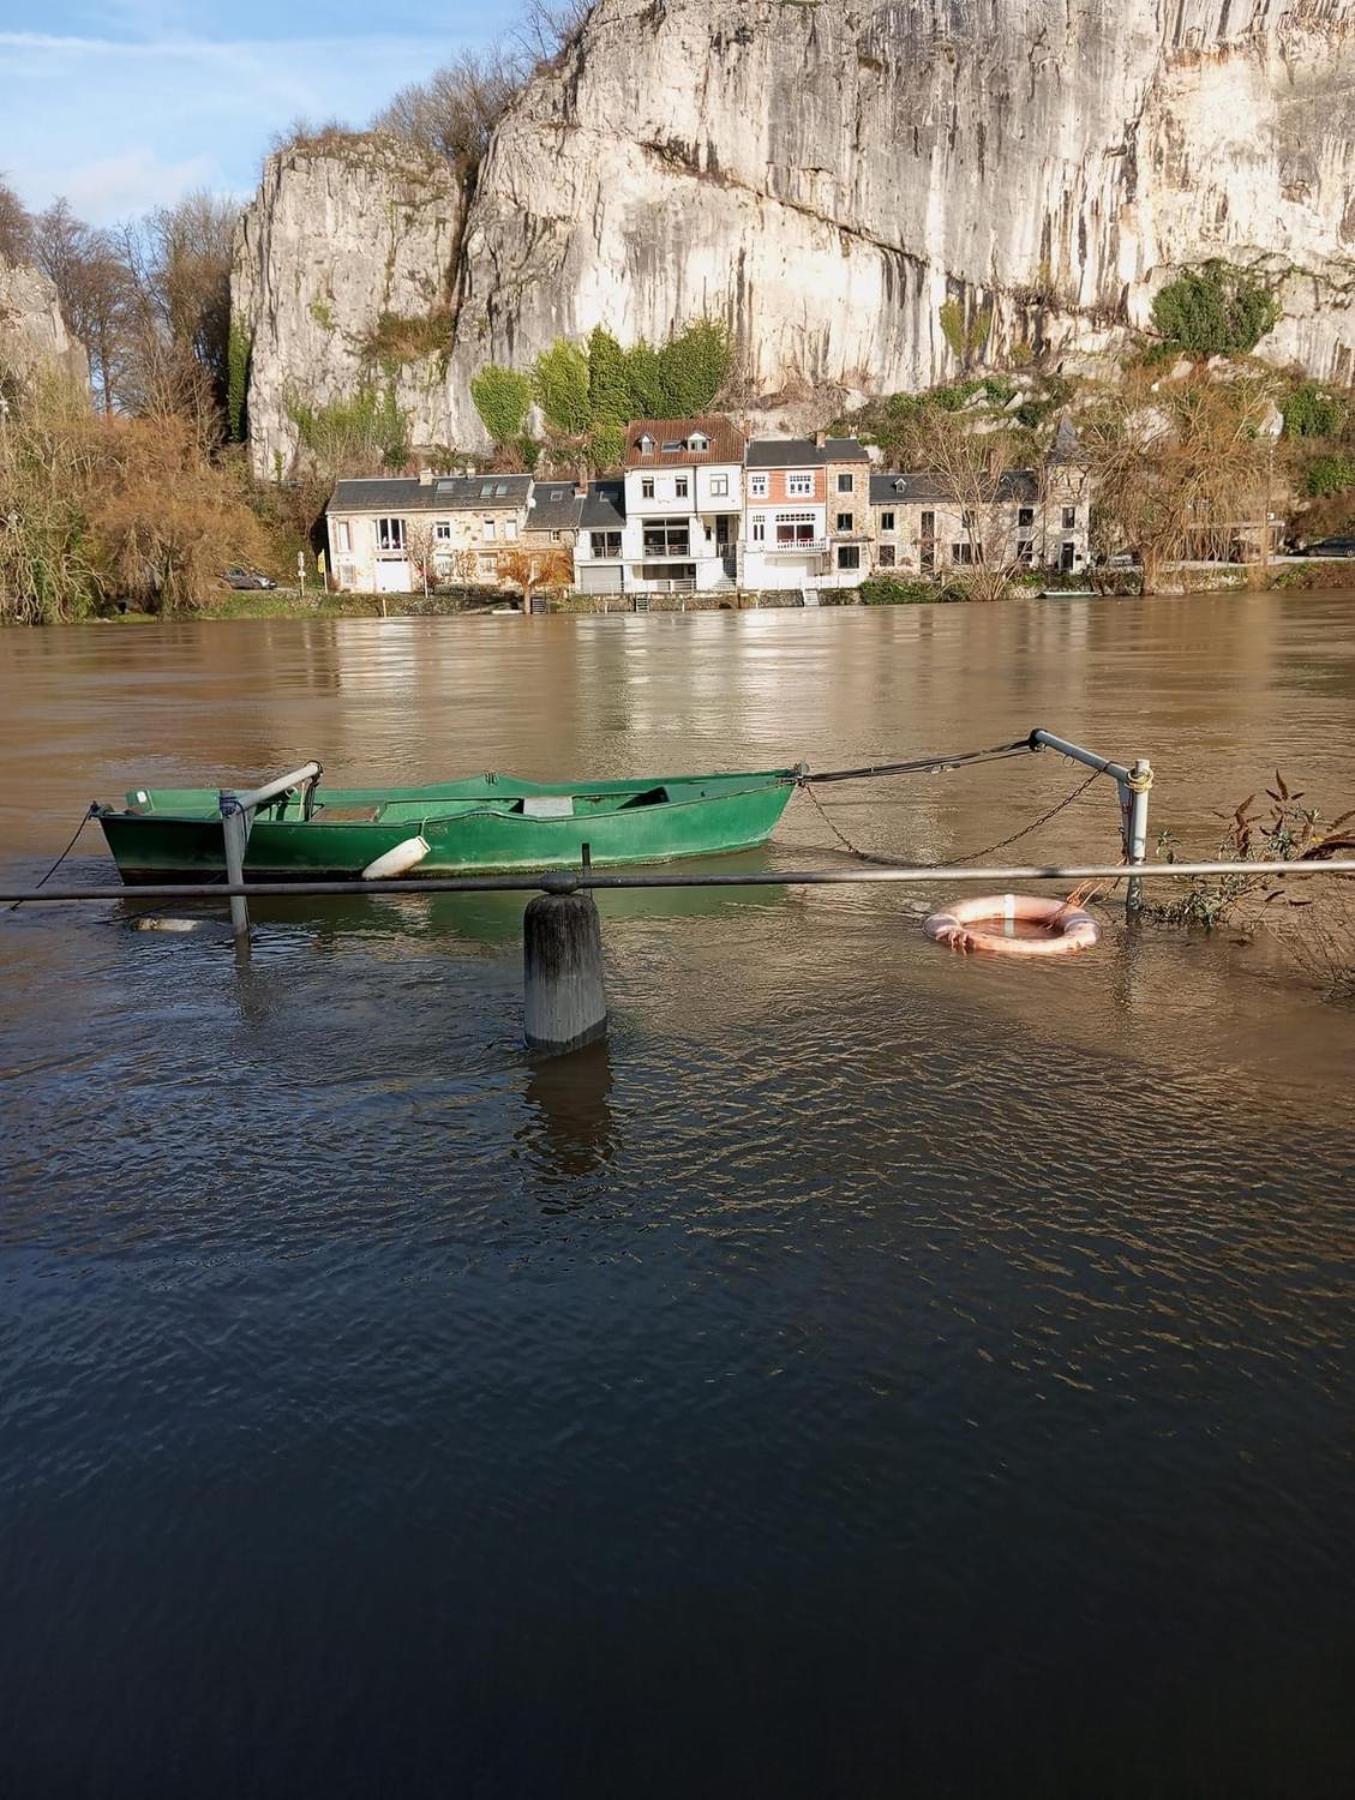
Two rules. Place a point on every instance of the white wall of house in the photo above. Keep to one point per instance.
(671, 540)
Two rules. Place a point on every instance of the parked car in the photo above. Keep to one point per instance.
(1333, 546)
(247, 578)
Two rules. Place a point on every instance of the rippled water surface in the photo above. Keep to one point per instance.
(874, 1373)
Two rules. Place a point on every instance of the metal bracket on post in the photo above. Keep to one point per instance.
(1135, 801)
(1133, 785)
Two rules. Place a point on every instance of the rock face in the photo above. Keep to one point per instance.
(827, 176)
(33, 334)
(344, 275)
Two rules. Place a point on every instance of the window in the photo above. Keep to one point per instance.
(966, 554)
(487, 490)
(698, 441)
(557, 493)
(490, 531)
(666, 537)
(442, 531)
(673, 445)
(555, 536)
(644, 443)
(795, 528)
(719, 484)
(886, 556)
(846, 484)
(886, 521)
(844, 521)
(801, 485)
(500, 489)
(510, 530)
(928, 525)
(668, 571)
(849, 556)
(1025, 517)
(900, 486)
(1069, 518)
(680, 487)
(758, 529)
(343, 535)
(605, 543)
(757, 487)
(489, 565)
(967, 520)
(390, 534)
(1025, 552)
(647, 488)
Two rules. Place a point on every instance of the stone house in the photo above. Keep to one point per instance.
(1026, 518)
(806, 513)
(382, 532)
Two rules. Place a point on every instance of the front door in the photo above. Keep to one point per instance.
(1066, 556)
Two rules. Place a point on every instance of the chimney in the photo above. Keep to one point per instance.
(425, 478)
(580, 490)
(820, 439)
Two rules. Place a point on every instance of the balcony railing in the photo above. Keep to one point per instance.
(798, 547)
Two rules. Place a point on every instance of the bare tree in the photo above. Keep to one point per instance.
(975, 470)
(454, 112)
(420, 547)
(16, 228)
(178, 261)
(1177, 473)
(530, 570)
(95, 289)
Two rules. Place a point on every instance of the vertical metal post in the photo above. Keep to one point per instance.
(235, 835)
(1136, 830)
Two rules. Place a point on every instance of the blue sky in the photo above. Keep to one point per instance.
(126, 104)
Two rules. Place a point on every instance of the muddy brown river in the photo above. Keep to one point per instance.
(873, 1372)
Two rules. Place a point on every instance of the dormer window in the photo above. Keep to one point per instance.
(899, 486)
(673, 445)
(644, 444)
(698, 441)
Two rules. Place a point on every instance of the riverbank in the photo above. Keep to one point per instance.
(1285, 575)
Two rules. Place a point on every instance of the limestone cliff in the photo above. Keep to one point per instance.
(344, 275)
(33, 334)
(826, 174)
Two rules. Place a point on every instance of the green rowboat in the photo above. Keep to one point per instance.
(488, 824)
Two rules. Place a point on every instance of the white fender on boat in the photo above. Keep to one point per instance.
(399, 861)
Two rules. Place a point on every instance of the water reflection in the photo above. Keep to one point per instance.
(571, 1128)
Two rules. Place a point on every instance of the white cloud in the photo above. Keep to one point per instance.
(116, 187)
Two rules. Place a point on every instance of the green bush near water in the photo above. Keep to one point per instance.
(893, 590)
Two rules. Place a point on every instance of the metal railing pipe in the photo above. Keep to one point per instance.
(565, 881)
(1088, 758)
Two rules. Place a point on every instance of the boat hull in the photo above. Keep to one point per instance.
(160, 848)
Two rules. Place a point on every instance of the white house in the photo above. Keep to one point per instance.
(683, 506)
(384, 533)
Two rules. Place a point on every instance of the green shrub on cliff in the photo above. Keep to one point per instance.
(1311, 411)
(501, 398)
(1215, 310)
(560, 385)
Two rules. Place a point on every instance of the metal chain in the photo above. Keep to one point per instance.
(973, 855)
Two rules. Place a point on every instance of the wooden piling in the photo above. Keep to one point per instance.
(565, 1005)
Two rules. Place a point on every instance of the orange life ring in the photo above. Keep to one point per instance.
(977, 925)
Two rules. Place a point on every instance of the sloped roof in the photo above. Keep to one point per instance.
(802, 453)
(445, 493)
(555, 506)
(605, 507)
(670, 437)
(924, 487)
